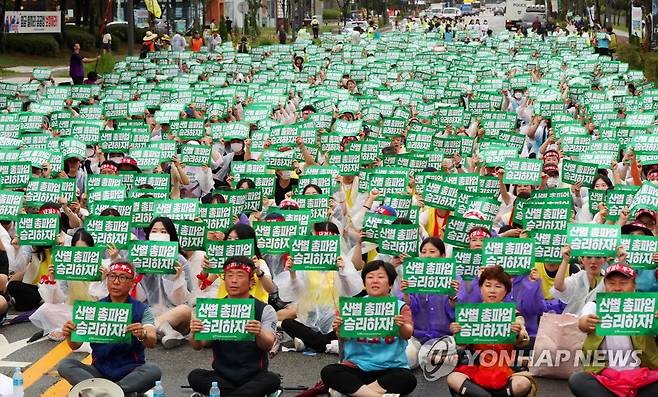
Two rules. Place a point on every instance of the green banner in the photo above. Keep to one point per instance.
(43, 190)
(15, 174)
(398, 239)
(628, 314)
(142, 211)
(429, 275)
(640, 250)
(195, 155)
(219, 251)
(485, 323)
(440, 195)
(177, 209)
(617, 199)
(109, 229)
(389, 181)
(521, 171)
(10, 204)
(548, 245)
(317, 203)
(225, 319)
(457, 228)
(575, 171)
(101, 322)
(314, 252)
(646, 197)
(593, 239)
(154, 257)
(191, 235)
(515, 255)
(274, 237)
(468, 262)
(595, 197)
(371, 225)
(218, 217)
(347, 162)
(546, 216)
(77, 263)
(368, 317)
(37, 229)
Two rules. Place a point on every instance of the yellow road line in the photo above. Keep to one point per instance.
(49, 361)
(62, 387)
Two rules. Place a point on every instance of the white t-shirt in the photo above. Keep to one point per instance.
(615, 345)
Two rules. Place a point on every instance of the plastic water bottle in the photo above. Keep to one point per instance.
(18, 383)
(214, 390)
(158, 391)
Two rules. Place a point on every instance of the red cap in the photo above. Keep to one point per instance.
(129, 160)
(645, 211)
(49, 210)
(620, 268)
(288, 203)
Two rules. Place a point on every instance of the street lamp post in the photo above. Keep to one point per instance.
(130, 17)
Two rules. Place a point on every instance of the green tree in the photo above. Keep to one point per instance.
(223, 30)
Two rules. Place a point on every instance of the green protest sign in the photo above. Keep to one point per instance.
(441, 195)
(146, 158)
(618, 198)
(115, 140)
(485, 323)
(105, 194)
(593, 239)
(419, 140)
(595, 197)
(389, 180)
(627, 314)
(548, 245)
(142, 211)
(318, 204)
(10, 204)
(15, 174)
(640, 250)
(646, 197)
(325, 182)
(178, 209)
(77, 263)
(301, 216)
(539, 215)
(401, 202)
(154, 257)
(157, 181)
(368, 317)
(429, 275)
(347, 162)
(515, 255)
(100, 180)
(398, 239)
(219, 251)
(230, 131)
(314, 252)
(195, 155)
(274, 237)
(264, 182)
(468, 262)
(521, 171)
(575, 171)
(225, 319)
(188, 129)
(101, 322)
(108, 230)
(454, 144)
(44, 190)
(218, 217)
(457, 228)
(41, 73)
(37, 229)
(575, 144)
(191, 235)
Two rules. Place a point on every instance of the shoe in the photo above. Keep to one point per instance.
(197, 394)
(276, 347)
(299, 345)
(332, 348)
(56, 336)
(390, 395)
(316, 390)
(334, 393)
(169, 336)
(275, 394)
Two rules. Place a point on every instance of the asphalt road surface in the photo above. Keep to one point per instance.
(296, 369)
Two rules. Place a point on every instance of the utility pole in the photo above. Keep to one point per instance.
(130, 17)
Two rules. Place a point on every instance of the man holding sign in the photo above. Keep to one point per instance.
(630, 362)
(123, 363)
(239, 367)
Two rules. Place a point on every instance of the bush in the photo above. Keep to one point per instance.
(79, 34)
(35, 44)
(637, 59)
(332, 14)
(223, 30)
(105, 65)
(119, 31)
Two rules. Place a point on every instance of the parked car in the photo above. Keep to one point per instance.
(451, 12)
(499, 10)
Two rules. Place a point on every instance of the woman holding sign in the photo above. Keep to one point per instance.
(374, 367)
(476, 380)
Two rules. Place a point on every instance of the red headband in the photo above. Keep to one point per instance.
(110, 167)
(239, 266)
(652, 172)
(122, 267)
(49, 210)
(324, 233)
(479, 233)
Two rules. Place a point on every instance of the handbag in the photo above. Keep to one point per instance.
(557, 332)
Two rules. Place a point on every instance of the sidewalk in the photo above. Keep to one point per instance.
(26, 71)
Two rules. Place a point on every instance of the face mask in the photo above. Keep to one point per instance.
(159, 237)
(285, 175)
(90, 152)
(517, 96)
(552, 183)
(236, 147)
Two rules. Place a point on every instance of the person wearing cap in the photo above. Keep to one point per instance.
(634, 376)
(578, 289)
(374, 366)
(646, 278)
(647, 218)
(122, 363)
(315, 298)
(239, 368)
(148, 43)
(108, 167)
(72, 169)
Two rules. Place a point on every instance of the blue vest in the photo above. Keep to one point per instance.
(239, 361)
(116, 360)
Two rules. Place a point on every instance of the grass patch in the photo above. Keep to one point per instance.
(637, 59)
